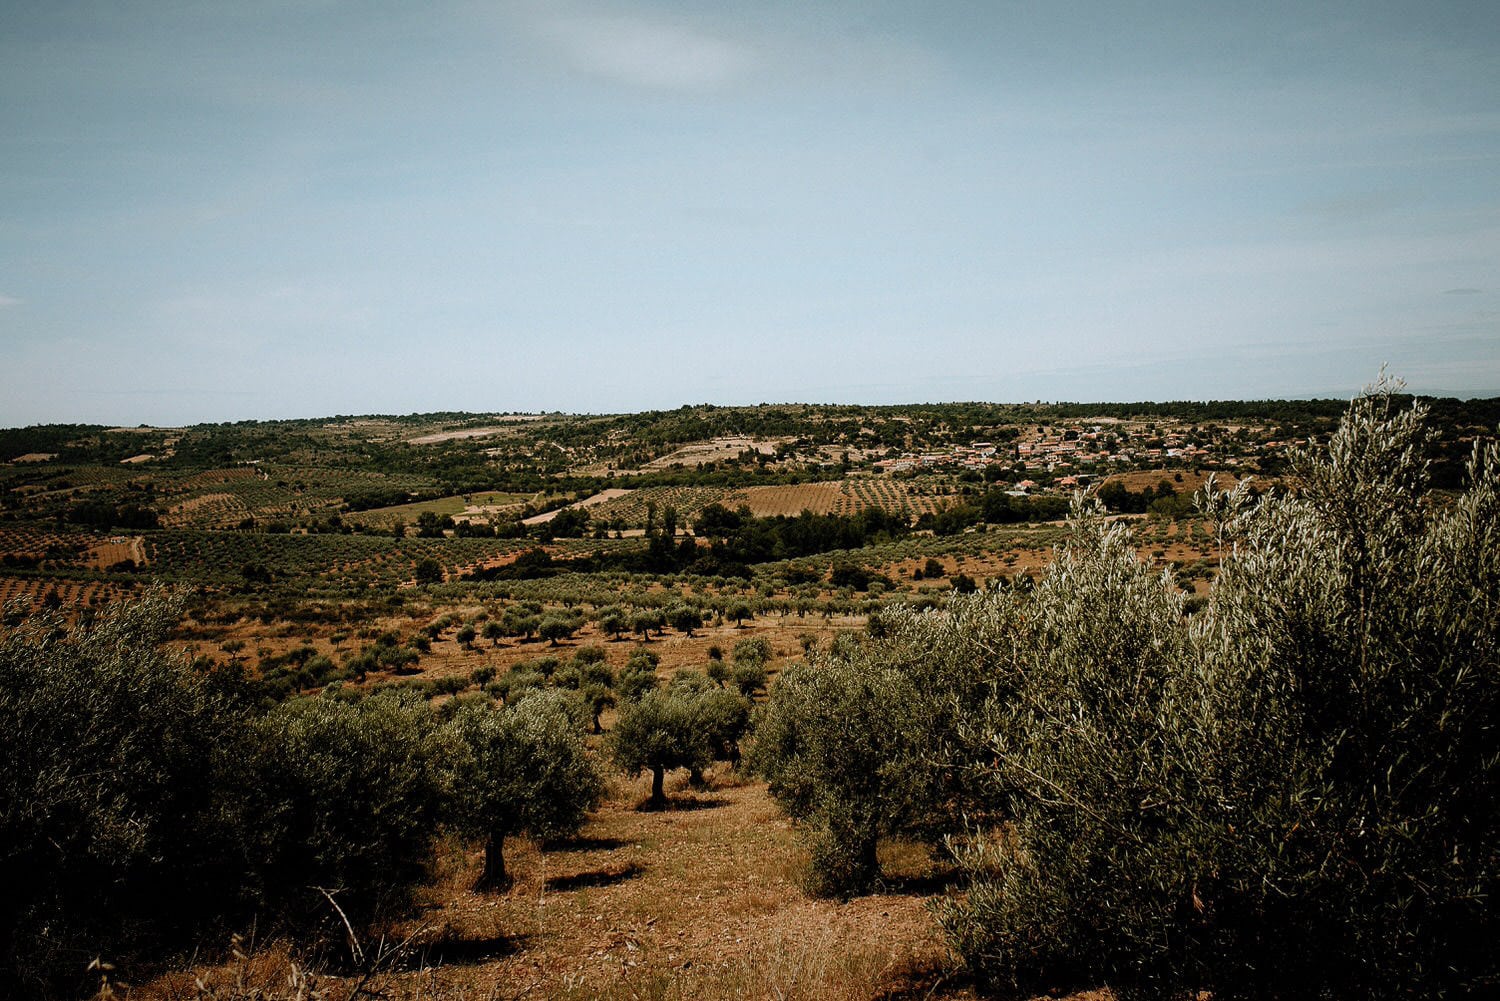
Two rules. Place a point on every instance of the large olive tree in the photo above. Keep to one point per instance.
(659, 731)
(1292, 793)
(518, 769)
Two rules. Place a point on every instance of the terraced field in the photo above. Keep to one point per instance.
(348, 561)
(915, 498)
(631, 509)
(792, 500)
(222, 498)
(68, 593)
(827, 497)
(473, 506)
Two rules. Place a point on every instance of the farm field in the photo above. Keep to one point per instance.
(599, 499)
(469, 506)
(1182, 481)
(844, 497)
(716, 450)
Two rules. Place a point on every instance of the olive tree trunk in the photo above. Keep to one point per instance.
(494, 876)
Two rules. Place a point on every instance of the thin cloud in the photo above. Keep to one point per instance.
(648, 54)
(1463, 291)
(6, 300)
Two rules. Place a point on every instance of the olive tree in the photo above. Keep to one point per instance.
(556, 627)
(347, 796)
(685, 618)
(844, 757)
(120, 818)
(520, 769)
(750, 659)
(1295, 791)
(659, 731)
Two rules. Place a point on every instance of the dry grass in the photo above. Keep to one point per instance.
(699, 901)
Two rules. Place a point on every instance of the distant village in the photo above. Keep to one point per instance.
(1074, 455)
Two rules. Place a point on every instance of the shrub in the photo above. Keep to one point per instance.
(757, 649)
(1291, 793)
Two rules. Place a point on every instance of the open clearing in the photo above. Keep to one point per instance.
(716, 450)
(1183, 481)
(459, 506)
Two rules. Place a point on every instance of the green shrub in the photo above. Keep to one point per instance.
(1293, 793)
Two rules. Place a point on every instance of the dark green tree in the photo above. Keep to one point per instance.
(556, 627)
(521, 769)
(658, 732)
(685, 618)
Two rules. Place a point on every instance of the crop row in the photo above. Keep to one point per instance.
(631, 509)
(353, 560)
(67, 592)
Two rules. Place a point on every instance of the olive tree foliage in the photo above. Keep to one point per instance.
(722, 717)
(347, 796)
(116, 824)
(750, 659)
(1092, 745)
(660, 730)
(146, 806)
(1291, 794)
(863, 742)
(519, 769)
(1354, 664)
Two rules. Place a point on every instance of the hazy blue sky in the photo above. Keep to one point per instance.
(216, 211)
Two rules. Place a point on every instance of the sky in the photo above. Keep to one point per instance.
(227, 211)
